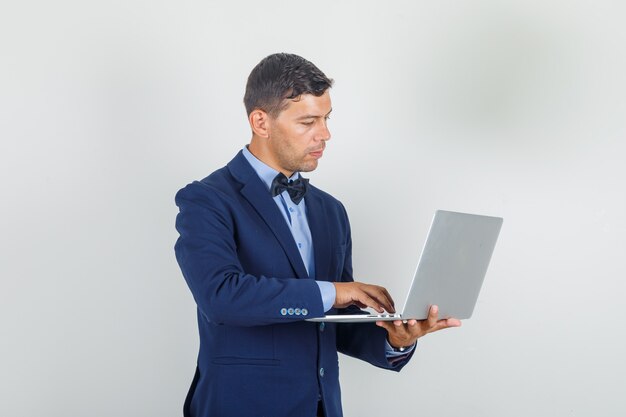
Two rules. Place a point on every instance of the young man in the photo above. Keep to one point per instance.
(262, 250)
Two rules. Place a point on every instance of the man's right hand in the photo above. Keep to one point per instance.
(363, 295)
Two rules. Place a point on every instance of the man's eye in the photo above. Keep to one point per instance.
(307, 123)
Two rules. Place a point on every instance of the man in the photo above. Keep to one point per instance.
(262, 250)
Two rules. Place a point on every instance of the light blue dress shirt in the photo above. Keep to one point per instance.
(295, 216)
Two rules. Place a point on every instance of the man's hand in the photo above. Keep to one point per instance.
(402, 334)
(363, 295)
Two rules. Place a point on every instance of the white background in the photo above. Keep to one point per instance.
(499, 107)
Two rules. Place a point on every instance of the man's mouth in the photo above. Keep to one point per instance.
(317, 152)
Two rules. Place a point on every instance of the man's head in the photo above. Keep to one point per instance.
(288, 105)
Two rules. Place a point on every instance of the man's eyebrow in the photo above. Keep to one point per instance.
(313, 116)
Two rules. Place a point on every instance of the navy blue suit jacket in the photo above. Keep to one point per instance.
(242, 265)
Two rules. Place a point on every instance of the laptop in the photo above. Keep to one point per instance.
(450, 270)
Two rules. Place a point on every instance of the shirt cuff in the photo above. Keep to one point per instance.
(394, 356)
(327, 289)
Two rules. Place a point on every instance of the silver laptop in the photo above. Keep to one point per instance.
(450, 270)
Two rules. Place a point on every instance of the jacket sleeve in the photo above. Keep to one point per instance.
(206, 251)
(365, 341)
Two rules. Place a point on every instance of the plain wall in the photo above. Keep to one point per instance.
(506, 108)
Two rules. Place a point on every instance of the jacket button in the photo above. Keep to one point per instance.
(297, 311)
(322, 372)
(304, 311)
(290, 311)
(322, 326)
(283, 311)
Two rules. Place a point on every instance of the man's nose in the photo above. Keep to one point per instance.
(324, 133)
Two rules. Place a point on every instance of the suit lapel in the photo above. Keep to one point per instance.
(257, 194)
(320, 234)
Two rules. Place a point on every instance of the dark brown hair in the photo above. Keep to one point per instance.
(280, 77)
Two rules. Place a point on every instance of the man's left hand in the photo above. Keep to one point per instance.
(402, 334)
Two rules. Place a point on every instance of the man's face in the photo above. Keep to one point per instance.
(298, 135)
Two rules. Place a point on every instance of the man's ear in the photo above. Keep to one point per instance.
(260, 123)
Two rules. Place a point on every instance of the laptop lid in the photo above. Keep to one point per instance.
(453, 264)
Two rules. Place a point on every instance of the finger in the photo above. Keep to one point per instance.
(400, 329)
(389, 298)
(382, 296)
(386, 325)
(395, 329)
(363, 297)
(452, 322)
(411, 326)
(444, 324)
(414, 329)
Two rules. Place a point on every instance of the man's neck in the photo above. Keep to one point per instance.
(264, 156)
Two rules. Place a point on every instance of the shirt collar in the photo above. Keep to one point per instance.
(264, 171)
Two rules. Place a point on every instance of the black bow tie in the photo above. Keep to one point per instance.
(295, 188)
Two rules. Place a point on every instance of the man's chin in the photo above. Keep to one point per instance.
(308, 167)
